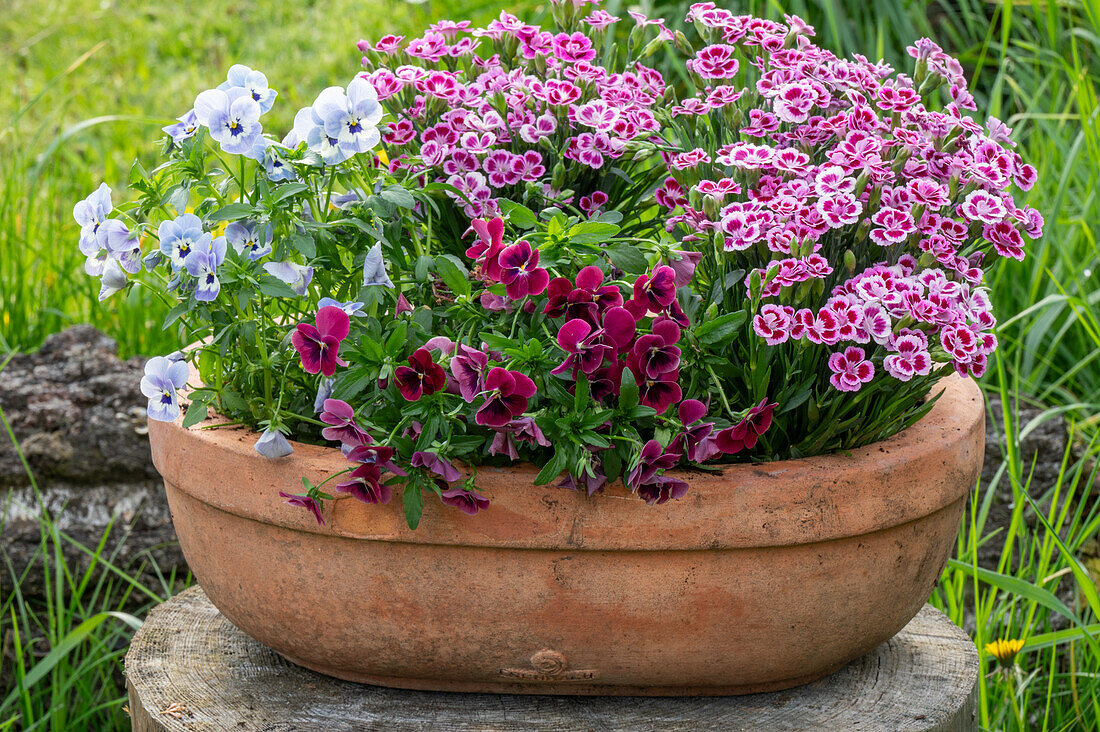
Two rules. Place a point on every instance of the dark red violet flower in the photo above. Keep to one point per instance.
(565, 300)
(660, 393)
(744, 434)
(655, 354)
(586, 352)
(619, 327)
(421, 377)
(365, 483)
(468, 367)
(653, 293)
(590, 279)
(490, 244)
(432, 462)
(466, 501)
(697, 441)
(508, 392)
(520, 271)
(310, 504)
(341, 416)
(653, 458)
(369, 454)
(662, 489)
(319, 346)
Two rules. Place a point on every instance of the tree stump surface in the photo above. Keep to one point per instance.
(190, 669)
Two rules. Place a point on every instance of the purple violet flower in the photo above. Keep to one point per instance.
(306, 502)
(466, 501)
(434, 463)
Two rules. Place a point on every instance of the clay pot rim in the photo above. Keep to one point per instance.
(787, 502)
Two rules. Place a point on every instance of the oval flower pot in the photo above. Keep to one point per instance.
(761, 578)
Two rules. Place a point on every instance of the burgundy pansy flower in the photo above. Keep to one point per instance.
(590, 280)
(653, 459)
(653, 293)
(341, 417)
(744, 434)
(698, 441)
(432, 462)
(508, 392)
(571, 302)
(585, 348)
(605, 382)
(656, 354)
(466, 501)
(468, 367)
(421, 377)
(683, 263)
(370, 454)
(662, 489)
(310, 504)
(619, 327)
(661, 392)
(520, 271)
(319, 346)
(521, 429)
(490, 243)
(592, 483)
(365, 483)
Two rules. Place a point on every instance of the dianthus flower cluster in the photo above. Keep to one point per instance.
(512, 111)
(866, 209)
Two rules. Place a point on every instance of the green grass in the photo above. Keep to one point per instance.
(90, 83)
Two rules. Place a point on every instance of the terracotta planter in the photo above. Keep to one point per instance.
(763, 577)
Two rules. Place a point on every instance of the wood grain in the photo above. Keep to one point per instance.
(190, 669)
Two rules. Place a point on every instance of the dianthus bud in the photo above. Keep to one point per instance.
(651, 48)
(710, 206)
(711, 313)
(754, 284)
(849, 260)
(682, 43)
(557, 179)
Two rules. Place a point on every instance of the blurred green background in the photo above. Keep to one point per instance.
(86, 86)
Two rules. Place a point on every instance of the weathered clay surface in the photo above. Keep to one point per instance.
(79, 417)
(762, 577)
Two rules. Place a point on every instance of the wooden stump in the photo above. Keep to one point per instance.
(190, 669)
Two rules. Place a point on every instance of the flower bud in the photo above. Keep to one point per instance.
(849, 260)
(711, 313)
(557, 179)
(710, 206)
(754, 284)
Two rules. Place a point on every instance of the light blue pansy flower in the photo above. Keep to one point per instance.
(374, 268)
(253, 82)
(232, 116)
(163, 378)
(273, 445)
(272, 156)
(298, 276)
(203, 266)
(112, 280)
(90, 215)
(249, 238)
(351, 116)
(186, 127)
(181, 237)
(351, 308)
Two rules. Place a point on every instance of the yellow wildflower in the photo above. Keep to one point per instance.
(1004, 649)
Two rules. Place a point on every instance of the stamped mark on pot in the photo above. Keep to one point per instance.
(547, 665)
